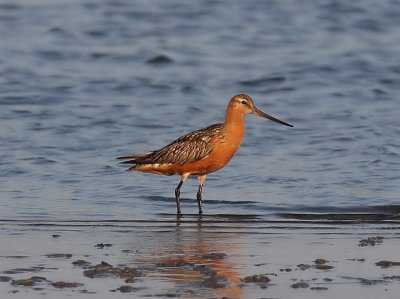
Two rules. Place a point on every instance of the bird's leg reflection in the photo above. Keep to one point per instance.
(198, 196)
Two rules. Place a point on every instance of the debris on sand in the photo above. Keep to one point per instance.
(28, 282)
(125, 289)
(321, 264)
(63, 284)
(303, 266)
(371, 241)
(299, 285)
(286, 270)
(393, 277)
(34, 280)
(365, 281)
(260, 279)
(81, 263)
(105, 269)
(387, 264)
(5, 278)
(370, 282)
(320, 261)
(256, 278)
(357, 260)
(59, 255)
(22, 270)
(214, 282)
(102, 245)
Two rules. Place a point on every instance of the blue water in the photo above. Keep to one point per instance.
(82, 82)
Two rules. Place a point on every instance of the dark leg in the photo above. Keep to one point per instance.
(199, 198)
(202, 179)
(177, 198)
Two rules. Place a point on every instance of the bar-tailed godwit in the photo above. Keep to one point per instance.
(203, 151)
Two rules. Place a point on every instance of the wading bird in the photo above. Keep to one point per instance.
(203, 151)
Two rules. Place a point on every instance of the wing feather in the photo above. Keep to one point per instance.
(189, 148)
(178, 153)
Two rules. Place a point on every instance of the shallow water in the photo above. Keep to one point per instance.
(201, 258)
(82, 82)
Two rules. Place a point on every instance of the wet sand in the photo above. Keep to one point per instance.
(221, 256)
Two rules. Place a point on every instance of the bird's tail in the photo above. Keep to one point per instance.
(133, 159)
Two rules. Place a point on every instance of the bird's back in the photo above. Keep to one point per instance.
(188, 148)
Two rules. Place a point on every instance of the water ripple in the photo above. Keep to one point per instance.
(95, 80)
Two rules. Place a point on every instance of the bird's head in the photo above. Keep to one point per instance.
(244, 104)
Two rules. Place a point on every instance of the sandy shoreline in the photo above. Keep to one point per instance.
(211, 258)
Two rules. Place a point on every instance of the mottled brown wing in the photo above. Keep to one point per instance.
(178, 153)
(188, 148)
(206, 134)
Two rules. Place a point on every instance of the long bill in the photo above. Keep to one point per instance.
(267, 116)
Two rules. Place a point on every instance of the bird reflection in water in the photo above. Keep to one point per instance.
(195, 254)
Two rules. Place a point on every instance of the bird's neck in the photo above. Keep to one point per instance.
(235, 124)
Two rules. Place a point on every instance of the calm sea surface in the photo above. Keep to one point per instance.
(82, 82)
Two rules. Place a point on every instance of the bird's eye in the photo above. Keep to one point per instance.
(244, 102)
